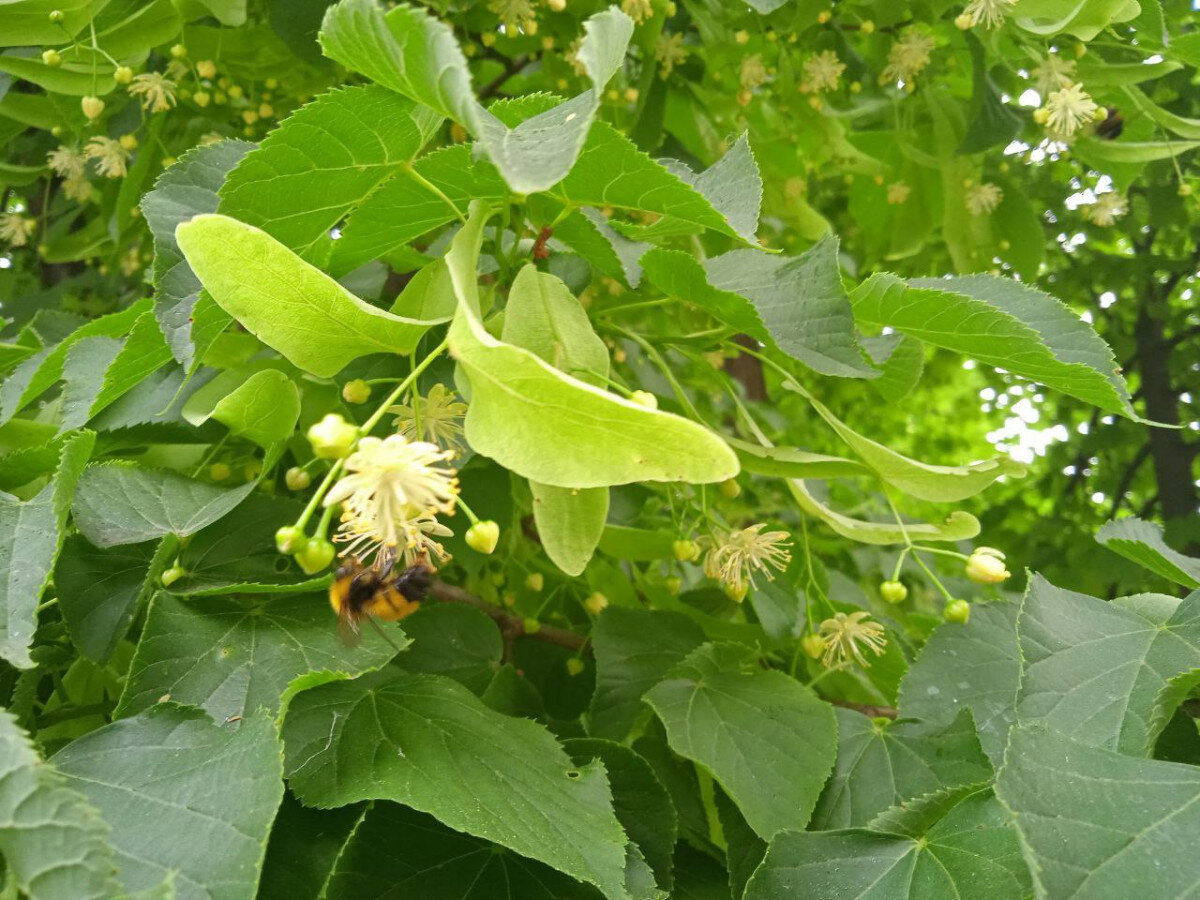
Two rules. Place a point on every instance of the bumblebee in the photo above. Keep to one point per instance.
(360, 592)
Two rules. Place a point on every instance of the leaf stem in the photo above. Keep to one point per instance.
(434, 189)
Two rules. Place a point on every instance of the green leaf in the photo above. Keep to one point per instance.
(1093, 670)
(304, 846)
(958, 526)
(588, 233)
(323, 161)
(739, 722)
(971, 853)
(118, 504)
(416, 55)
(976, 666)
(791, 462)
(900, 363)
(1124, 152)
(182, 191)
(938, 484)
(549, 427)
(1082, 18)
(99, 591)
(170, 773)
(459, 642)
(55, 843)
(881, 764)
(28, 23)
(796, 303)
(993, 122)
(1002, 323)
(401, 852)
(744, 850)
(263, 409)
(543, 316)
(427, 742)
(286, 303)
(1143, 543)
(232, 657)
(569, 523)
(31, 534)
(1095, 823)
(634, 649)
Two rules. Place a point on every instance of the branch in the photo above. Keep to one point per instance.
(875, 712)
(511, 626)
(1127, 477)
(511, 68)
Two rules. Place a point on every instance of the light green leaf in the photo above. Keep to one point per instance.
(900, 363)
(976, 666)
(1095, 823)
(120, 504)
(171, 773)
(555, 429)
(543, 316)
(881, 764)
(416, 55)
(27, 23)
(970, 853)
(1093, 670)
(741, 722)
(55, 843)
(569, 523)
(286, 303)
(958, 526)
(323, 161)
(1082, 18)
(264, 409)
(31, 534)
(1184, 127)
(791, 462)
(405, 852)
(184, 190)
(227, 12)
(1002, 323)
(1124, 152)
(938, 484)
(1143, 543)
(427, 742)
(232, 657)
(624, 542)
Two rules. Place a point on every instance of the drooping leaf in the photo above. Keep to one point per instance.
(184, 190)
(171, 773)
(1093, 670)
(427, 742)
(263, 409)
(881, 764)
(555, 429)
(31, 534)
(286, 303)
(543, 316)
(740, 722)
(55, 843)
(1002, 323)
(1098, 823)
(1143, 543)
(958, 526)
(323, 161)
(1082, 18)
(569, 523)
(791, 462)
(232, 657)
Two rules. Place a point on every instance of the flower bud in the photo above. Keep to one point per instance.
(128, 142)
(867, 27)
(206, 68)
(674, 584)
(963, 22)
(957, 611)
(1041, 115)
(56, 16)
(123, 75)
(315, 555)
(686, 551)
(297, 479)
(92, 107)
(289, 539)
(730, 488)
(813, 645)
(596, 603)
(736, 592)
(483, 536)
(172, 575)
(535, 581)
(824, 16)
(202, 98)
(356, 391)
(574, 666)
(531, 625)
(333, 437)
(644, 398)
(52, 57)
(893, 592)
(986, 566)
(742, 37)
(219, 471)
(179, 51)
(557, 5)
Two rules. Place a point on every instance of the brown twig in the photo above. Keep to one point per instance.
(875, 712)
(511, 626)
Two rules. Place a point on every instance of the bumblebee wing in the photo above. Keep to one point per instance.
(383, 634)
(347, 628)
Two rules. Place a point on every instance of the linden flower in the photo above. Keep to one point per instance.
(15, 229)
(1106, 210)
(753, 72)
(394, 487)
(737, 555)
(156, 90)
(897, 193)
(1068, 109)
(435, 419)
(67, 162)
(419, 543)
(638, 10)
(669, 52)
(844, 634)
(990, 12)
(572, 57)
(822, 72)
(514, 14)
(110, 156)
(985, 565)
(982, 199)
(77, 188)
(1054, 73)
(131, 261)
(908, 56)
